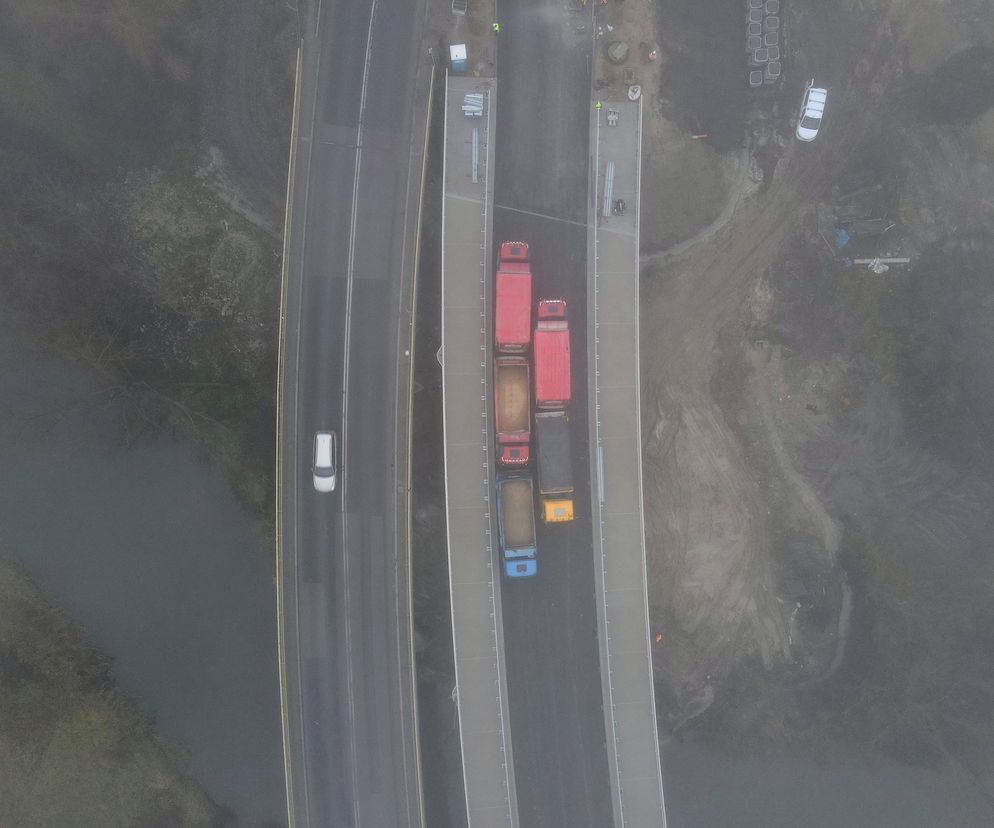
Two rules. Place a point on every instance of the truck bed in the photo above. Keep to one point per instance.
(511, 396)
(555, 462)
(552, 365)
(517, 513)
(513, 315)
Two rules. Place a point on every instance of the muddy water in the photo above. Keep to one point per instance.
(709, 789)
(148, 550)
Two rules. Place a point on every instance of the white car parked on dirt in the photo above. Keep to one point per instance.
(812, 110)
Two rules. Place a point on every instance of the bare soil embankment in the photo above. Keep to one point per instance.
(816, 436)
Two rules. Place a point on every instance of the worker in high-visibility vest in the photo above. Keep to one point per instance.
(496, 28)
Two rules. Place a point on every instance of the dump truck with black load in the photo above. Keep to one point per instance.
(555, 465)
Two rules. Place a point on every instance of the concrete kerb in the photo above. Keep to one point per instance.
(445, 436)
(498, 607)
(596, 472)
(486, 230)
(600, 563)
(638, 454)
(406, 495)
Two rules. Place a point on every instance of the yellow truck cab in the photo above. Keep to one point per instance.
(557, 511)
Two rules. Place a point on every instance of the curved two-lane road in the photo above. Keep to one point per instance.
(345, 629)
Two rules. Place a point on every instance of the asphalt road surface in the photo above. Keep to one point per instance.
(550, 623)
(349, 706)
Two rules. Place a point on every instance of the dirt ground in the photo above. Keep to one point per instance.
(699, 157)
(816, 435)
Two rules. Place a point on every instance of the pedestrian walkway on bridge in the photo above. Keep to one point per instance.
(616, 465)
(474, 582)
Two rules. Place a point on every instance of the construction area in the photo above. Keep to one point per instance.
(816, 387)
(817, 383)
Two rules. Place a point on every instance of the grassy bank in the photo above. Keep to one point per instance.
(126, 241)
(74, 750)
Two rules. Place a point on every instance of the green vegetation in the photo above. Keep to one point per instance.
(121, 239)
(74, 750)
(106, 85)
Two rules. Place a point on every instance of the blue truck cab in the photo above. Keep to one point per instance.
(520, 567)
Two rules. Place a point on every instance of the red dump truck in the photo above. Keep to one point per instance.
(512, 405)
(552, 362)
(513, 312)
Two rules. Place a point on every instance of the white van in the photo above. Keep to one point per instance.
(325, 468)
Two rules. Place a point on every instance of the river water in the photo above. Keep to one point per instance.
(148, 550)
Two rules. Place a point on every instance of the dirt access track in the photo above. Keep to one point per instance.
(742, 542)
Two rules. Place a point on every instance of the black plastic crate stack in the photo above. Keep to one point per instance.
(763, 41)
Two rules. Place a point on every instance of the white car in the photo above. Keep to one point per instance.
(325, 468)
(812, 111)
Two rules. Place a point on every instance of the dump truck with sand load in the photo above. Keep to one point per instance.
(516, 525)
(512, 405)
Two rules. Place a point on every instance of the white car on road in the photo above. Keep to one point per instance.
(325, 466)
(812, 110)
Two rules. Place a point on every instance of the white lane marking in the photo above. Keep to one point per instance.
(350, 273)
(582, 224)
